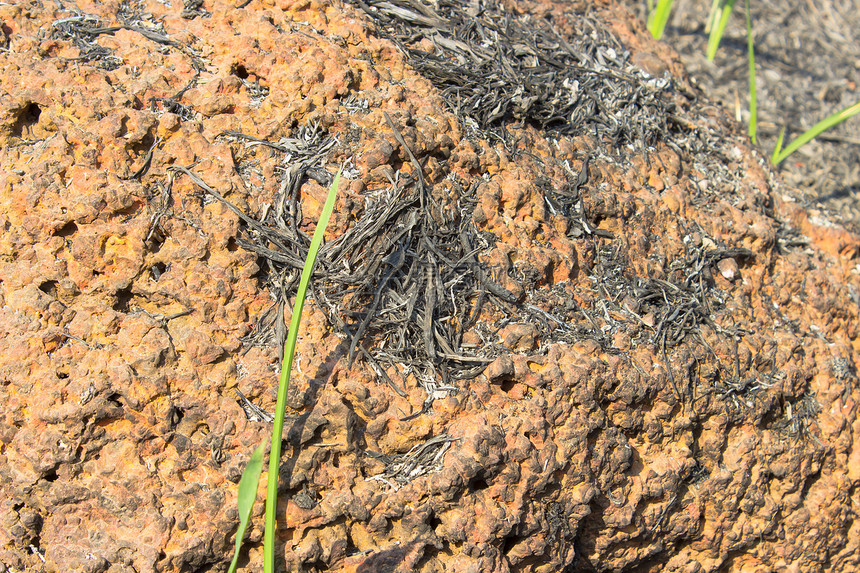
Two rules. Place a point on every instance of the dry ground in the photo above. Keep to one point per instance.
(807, 67)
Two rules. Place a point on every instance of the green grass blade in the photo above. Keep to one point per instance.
(778, 146)
(712, 16)
(814, 132)
(658, 18)
(751, 59)
(721, 19)
(286, 368)
(246, 498)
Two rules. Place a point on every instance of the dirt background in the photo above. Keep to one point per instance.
(807, 68)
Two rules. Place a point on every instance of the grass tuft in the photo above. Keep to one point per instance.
(751, 62)
(780, 154)
(286, 368)
(246, 498)
(658, 17)
(718, 20)
(251, 475)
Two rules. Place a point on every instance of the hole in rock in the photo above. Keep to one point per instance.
(123, 298)
(478, 483)
(156, 241)
(113, 400)
(67, 230)
(28, 118)
(158, 269)
(51, 476)
(434, 521)
(241, 72)
(351, 549)
(509, 543)
(143, 145)
(49, 288)
(174, 416)
(507, 385)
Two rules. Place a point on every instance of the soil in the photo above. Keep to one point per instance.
(807, 68)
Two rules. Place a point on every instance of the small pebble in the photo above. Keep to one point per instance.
(729, 269)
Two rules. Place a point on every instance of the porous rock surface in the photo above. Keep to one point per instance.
(667, 425)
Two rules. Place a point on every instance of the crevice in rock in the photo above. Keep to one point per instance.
(28, 117)
(67, 230)
(240, 71)
(123, 300)
(49, 288)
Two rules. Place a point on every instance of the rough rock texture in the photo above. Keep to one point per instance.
(674, 387)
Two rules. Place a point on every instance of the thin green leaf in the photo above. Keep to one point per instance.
(286, 368)
(778, 146)
(721, 18)
(712, 16)
(246, 498)
(658, 18)
(751, 59)
(814, 132)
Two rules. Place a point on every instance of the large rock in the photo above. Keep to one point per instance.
(565, 318)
